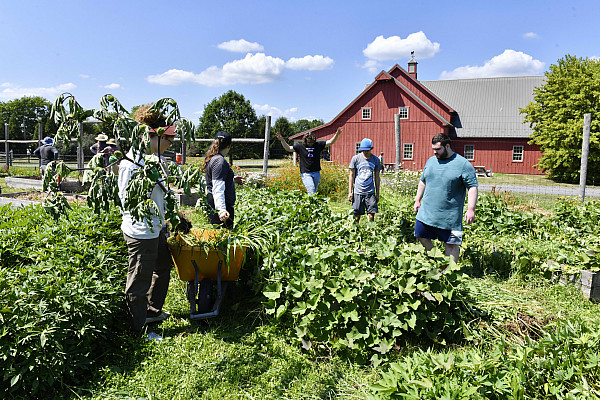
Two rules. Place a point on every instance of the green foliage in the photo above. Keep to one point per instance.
(402, 182)
(27, 111)
(572, 89)
(103, 190)
(348, 285)
(503, 240)
(564, 364)
(60, 288)
(232, 113)
(286, 128)
(303, 125)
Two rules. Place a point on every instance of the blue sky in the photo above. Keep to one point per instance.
(300, 59)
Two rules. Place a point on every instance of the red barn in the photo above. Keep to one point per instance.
(480, 115)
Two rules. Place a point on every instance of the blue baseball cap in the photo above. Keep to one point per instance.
(365, 144)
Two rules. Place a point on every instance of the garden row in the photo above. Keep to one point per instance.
(363, 290)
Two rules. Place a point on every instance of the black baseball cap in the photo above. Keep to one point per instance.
(225, 137)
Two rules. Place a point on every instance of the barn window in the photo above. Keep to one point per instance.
(403, 112)
(470, 152)
(407, 151)
(366, 113)
(356, 147)
(517, 153)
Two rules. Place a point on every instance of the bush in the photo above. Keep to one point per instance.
(60, 297)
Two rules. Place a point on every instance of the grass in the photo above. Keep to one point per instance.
(235, 356)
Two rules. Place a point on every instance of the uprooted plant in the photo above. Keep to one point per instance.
(134, 135)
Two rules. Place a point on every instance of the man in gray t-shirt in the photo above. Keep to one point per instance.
(363, 183)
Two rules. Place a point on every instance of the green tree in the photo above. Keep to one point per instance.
(572, 89)
(287, 129)
(23, 116)
(232, 113)
(303, 124)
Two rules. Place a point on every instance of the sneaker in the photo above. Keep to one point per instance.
(153, 336)
(160, 317)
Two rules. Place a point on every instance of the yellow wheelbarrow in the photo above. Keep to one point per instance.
(201, 266)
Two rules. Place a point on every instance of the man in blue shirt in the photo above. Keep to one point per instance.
(447, 178)
(363, 183)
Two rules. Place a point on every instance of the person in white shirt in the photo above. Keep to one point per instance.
(150, 261)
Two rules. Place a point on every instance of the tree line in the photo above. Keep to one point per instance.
(230, 112)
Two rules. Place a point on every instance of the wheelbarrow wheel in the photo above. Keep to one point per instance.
(205, 296)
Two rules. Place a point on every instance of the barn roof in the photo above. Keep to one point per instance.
(488, 107)
(385, 76)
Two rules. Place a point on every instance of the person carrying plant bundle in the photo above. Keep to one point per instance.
(46, 153)
(447, 178)
(309, 152)
(150, 261)
(220, 181)
(364, 181)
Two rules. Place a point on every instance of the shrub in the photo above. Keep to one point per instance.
(60, 301)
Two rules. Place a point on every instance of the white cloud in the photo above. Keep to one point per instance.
(395, 47)
(112, 86)
(595, 58)
(509, 63)
(372, 66)
(172, 77)
(11, 91)
(530, 35)
(84, 76)
(240, 46)
(310, 63)
(275, 112)
(253, 69)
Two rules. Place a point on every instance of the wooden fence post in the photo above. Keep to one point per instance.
(398, 137)
(266, 147)
(6, 145)
(80, 160)
(585, 152)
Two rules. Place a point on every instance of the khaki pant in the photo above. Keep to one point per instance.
(147, 278)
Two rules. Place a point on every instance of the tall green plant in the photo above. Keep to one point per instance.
(69, 114)
(59, 297)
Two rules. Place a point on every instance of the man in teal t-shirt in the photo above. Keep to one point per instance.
(446, 180)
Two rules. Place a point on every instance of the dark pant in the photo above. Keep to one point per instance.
(214, 219)
(148, 278)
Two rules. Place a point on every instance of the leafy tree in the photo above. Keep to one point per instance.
(303, 124)
(572, 89)
(23, 116)
(232, 113)
(286, 128)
